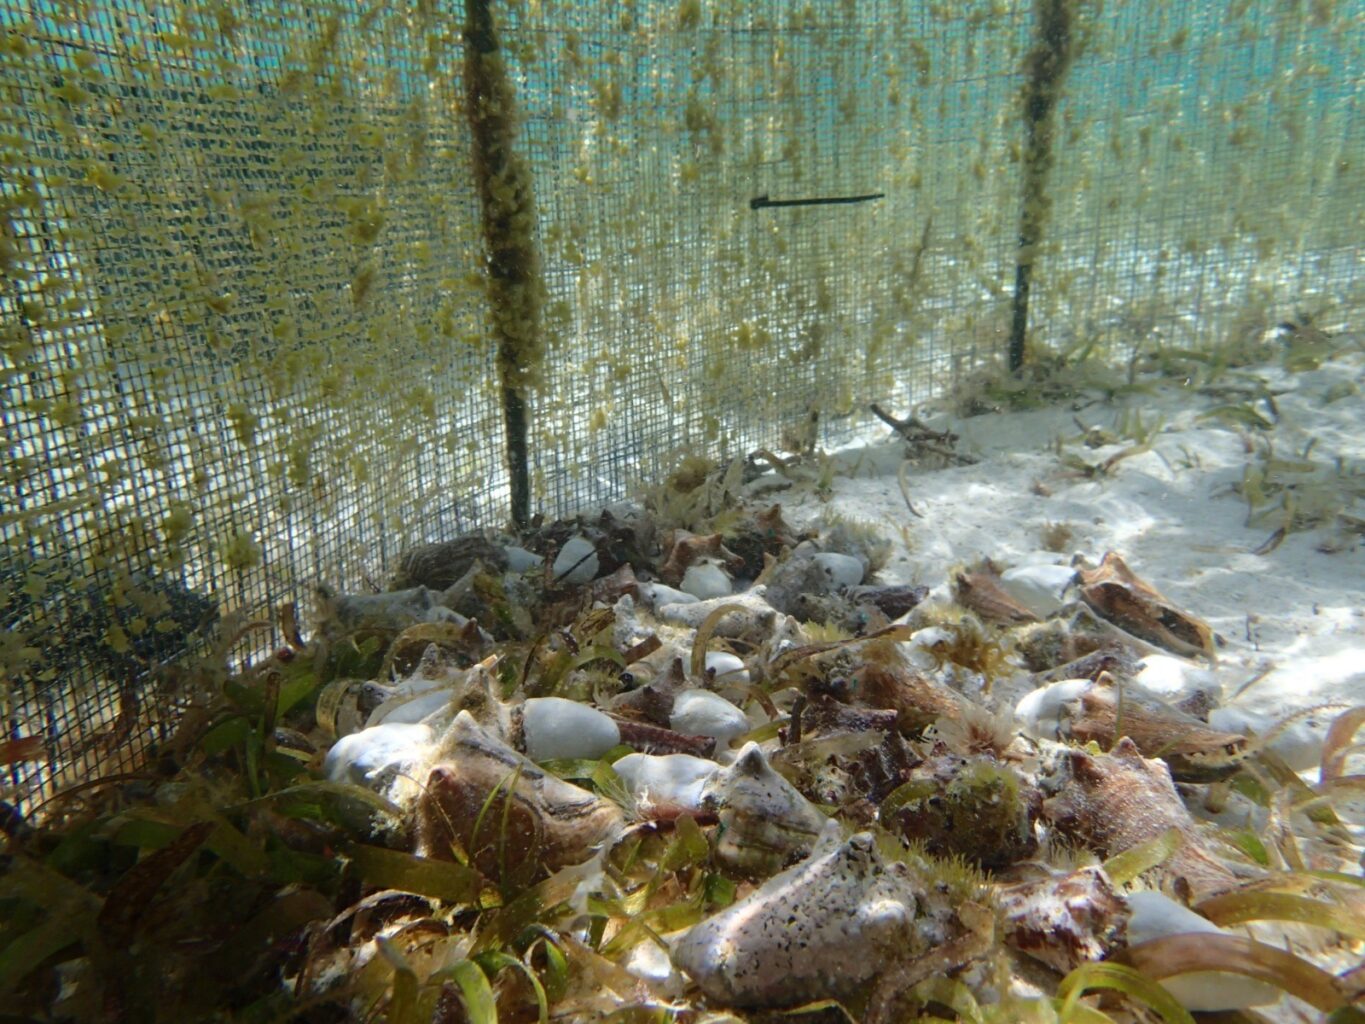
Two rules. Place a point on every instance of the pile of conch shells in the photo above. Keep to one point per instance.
(858, 755)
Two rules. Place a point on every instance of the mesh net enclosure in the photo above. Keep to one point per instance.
(246, 341)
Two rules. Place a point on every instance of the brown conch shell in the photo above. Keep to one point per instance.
(685, 548)
(1194, 751)
(755, 534)
(1116, 801)
(892, 601)
(1116, 594)
(840, 922)
(513, 820)
(982, 593)
(765, 823)
(652, 703)
(917, 700)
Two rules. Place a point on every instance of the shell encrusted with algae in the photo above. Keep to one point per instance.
(977, 808)
(822, 929)
(1066, 920)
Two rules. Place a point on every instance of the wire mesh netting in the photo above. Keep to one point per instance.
(241, 276)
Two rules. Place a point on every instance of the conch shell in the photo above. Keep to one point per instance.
(819, 930)
(982, 593)
(840, 922)
(765, 823)
(1064, 921)
(1194, 751)
(511, 819)
(1116, 801)
(1115, 593)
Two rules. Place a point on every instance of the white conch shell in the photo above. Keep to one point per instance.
(1155, 916)
(554, 728)
(666, 785)
(380, 758)
(698, 712)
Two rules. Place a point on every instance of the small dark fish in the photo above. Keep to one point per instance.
(760, 202)
(25, 748)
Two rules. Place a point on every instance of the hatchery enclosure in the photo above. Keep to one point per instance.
(246, 342)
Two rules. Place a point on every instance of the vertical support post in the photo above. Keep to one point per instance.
(1045, 69)
(516, 289)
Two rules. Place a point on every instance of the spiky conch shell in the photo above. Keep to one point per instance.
(765, 823)
(842, 923)
(1113, 802)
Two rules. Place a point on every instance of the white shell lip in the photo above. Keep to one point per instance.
(656, 595)
(555, 728)
(1173, 679)
(1154, 916)
(376, 756)
(840, 570)
(1042, 711)
(703, 713)
(576, 562)
(666, 780)
(416, 709)
(705, 580)
(726, 667)
(520, 560)
(1039, 588)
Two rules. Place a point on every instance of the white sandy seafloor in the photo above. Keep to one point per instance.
(1293, 616)
(1296, 614)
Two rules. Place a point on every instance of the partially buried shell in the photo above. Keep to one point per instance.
(765, 823)
(513, 820)
(1064, 921)
(1101, 711)
(845, 755)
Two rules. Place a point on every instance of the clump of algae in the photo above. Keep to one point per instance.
(516, 287)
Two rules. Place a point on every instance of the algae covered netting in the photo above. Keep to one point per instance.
(1205, 179)
(242, 341)
(245, 337)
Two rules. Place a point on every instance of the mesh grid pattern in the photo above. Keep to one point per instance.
(1205, 180)
(243, 345)
(242, 334)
